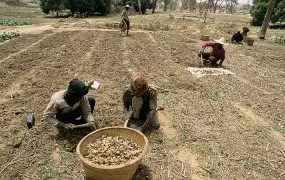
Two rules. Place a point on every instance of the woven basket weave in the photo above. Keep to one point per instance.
(118, 172)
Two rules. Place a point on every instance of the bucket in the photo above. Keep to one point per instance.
(205, 37)
(250, 41)
(116, 172)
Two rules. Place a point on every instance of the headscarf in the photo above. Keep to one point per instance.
(139, 87)
(245, 29)
(77, 88)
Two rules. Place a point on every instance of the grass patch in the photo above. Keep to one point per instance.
(111, 25)
(280, 129)
(183, 133)
(163, 99)
(136, 20)
(205, 148)
(47, 171)
(245, 165)
(14, 22)
(211, 95)
(156, 25)
(280, 39)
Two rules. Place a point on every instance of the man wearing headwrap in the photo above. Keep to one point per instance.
(245, 30)
(67, 106)
(143, 101)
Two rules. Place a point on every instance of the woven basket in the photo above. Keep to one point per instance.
(123, 25)
(205, 37)
(250, 41)
(118, 172)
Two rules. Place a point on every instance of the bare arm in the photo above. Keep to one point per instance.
(86, 110)
(126, 97)
(86, 113)
(50, 112)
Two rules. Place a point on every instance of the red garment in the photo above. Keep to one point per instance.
(219, 54)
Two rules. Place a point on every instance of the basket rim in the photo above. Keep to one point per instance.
(130, 163)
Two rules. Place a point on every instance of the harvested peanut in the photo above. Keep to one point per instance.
(112, 150)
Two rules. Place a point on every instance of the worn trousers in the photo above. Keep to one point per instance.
(67, 115)
(137, 104)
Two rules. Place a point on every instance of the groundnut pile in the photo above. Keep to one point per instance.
(110, 150)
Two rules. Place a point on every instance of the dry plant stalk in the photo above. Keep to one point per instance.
(110, 150)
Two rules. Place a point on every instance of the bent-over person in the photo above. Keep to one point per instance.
(71, 107)
(216, 55)
(142, 99)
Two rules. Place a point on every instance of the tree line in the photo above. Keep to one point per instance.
(259, 10)
(103, 7)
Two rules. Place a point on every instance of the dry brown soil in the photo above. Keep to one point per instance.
(217, 127)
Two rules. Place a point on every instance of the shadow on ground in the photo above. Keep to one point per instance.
(142, 173)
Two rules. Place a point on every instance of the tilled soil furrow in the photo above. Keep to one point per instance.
(229, 143)
(261, 68)
(105, 65)
(212, 111)
(39, 84)
(17, 44)
(148, 60)
(267, 105)
(24, 63)
(218, 127)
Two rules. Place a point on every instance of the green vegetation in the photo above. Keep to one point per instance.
(280, 40)
(184, 133)
(8, 35)
(90, 6)
(82, 6)
(14, 22)
(205, 148)
(48, 171)
(279, 12)
(210, 95)
(245, 165)
(280, 129)
(259, 9)
(156, 25)
(145, 4)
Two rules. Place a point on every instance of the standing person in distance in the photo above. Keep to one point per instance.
(125, 17)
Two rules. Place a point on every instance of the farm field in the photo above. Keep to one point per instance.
(215, 127)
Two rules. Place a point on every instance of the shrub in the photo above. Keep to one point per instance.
(8, 35)
(83, 6)
(14, 22)
(280, 40)
(259, 9)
